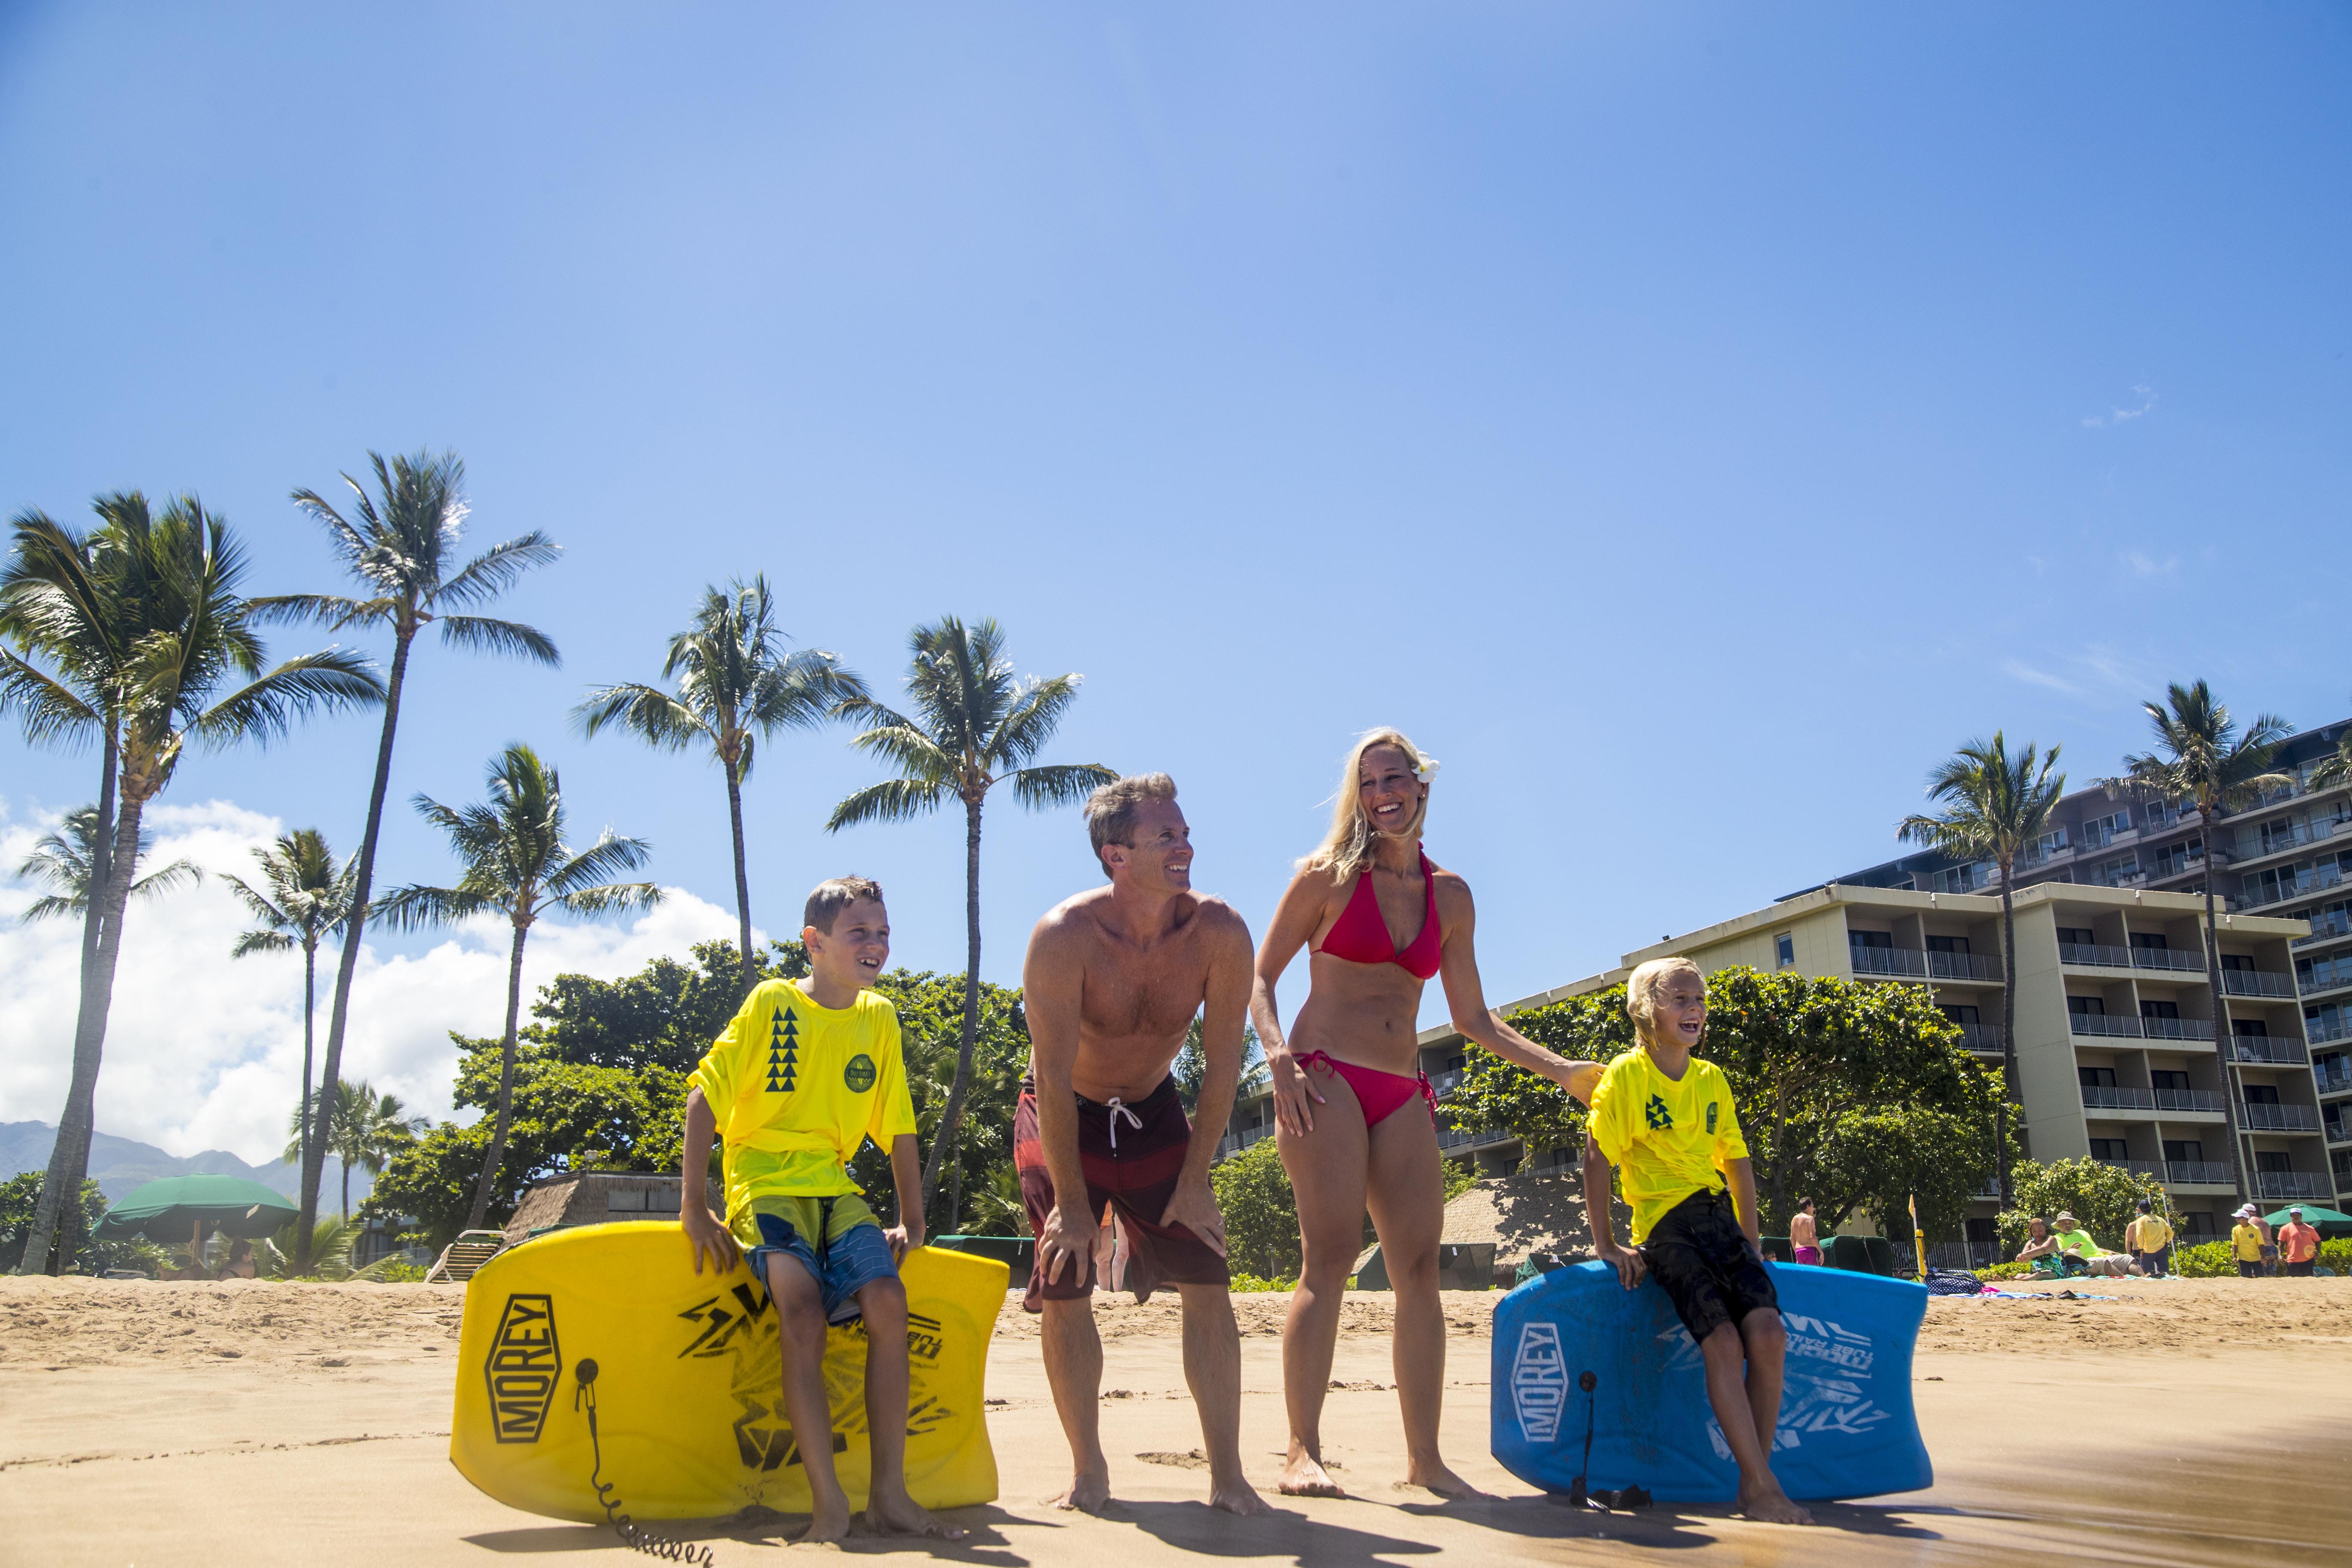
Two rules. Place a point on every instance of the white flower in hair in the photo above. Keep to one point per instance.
(1428, 769)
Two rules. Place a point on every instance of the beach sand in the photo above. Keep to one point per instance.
(248, 1423)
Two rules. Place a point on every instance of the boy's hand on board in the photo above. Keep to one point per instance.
(903, 1239)
(1630, 1264)
(705, 1234)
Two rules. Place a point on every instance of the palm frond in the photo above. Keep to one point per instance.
(893, 800)
(610, 898)
(510, 638)
(55, 906)
(416, 908)
(651, 714)
(496, 568)
(255, 941)
(336, 612)
(166, 878)
(604, 859)
(329, 680)
(48, 710)
(914, 753)
(1064, 784)
(1031, 721)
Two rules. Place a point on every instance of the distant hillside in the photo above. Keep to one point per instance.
(120, 1164)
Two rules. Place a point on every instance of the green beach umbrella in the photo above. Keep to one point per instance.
(169, 1210)
(2325, 1220)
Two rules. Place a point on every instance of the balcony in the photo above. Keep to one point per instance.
(1902, 963)
(2291, 1184)
(2259, 894)
(2265, 1049)
(2176, 1028)
(2336, 1077)
(2295, 836)
(1962, 966)
(2115, 1026)
(2338, 1130)
(2117, 1098)
(2325, 1031)
(1446, 1082)
(1459, 1138)
(2326, 926)
(2316, 976)
(2197, 1174)
(2138, 1167)
(2256, 983)
(1234, 1142)
(1983, 1038)
(2204, 1101)
(2165, 958)
(2255, 1117)
(2092, 955)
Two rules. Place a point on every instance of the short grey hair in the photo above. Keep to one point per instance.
(1111, 810)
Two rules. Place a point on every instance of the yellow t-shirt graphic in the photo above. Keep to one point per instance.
(795, 1090)
(1667, 1138)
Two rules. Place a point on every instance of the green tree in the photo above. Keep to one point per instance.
(304, 895)
(976, 725)
(667, 1013)
(1192, 1064)
(364, 1129)
(562, 1115)
(930, 1008)
(736, 685)
(1856, 1094)
(2334, 770)
(140, 626)
(1994, 808)
(2203, 760)
(517, 867)
(64, 859)
(1261, 1212)
(2103, 1196)
(20, 1195)
(401, 547)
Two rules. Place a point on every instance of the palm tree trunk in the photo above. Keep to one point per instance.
(309, 1020)
(742, 877)
(2008, 1095)
(505, 1085)
(952, 1114)
(314, 1149)
(56, 1215)
(2222, 1044)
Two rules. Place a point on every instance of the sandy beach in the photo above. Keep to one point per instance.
(246, 1423)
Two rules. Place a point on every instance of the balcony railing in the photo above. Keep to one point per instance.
(2326, 927)
(2256, 1117)
(1902, 961)
(2265, 1049)
(1458, 1137)
(2336, 1077)
(2117, 1098)
(2338, 1130)
(1982, 1037)
(2259, 892)
(2117, 1025)
(2198, 1099)
(2176, 1028)
(1447, 1081)
(2295, 836)
(2324, 974)
(2321, 1031)
(2290, 1184)
(2197, 1174)
(2093, 955)
(2256, 983)
(1234, 1142)
(2165, 958)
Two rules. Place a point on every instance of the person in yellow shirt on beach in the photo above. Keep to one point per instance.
(808, 1070)
(2148, 1239)
(2247, 1239)
(1665, 1118)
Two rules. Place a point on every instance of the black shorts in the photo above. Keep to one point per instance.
(2300, 1270)
(2249, 1269)
(1701, 1257)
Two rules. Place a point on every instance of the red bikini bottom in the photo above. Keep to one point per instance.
(1382, 1094)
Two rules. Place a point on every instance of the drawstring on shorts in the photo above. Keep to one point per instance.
(1117, 1109)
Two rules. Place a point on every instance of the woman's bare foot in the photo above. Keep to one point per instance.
(1088, 1494)
(826, 1524)
(1770, 1506)
(1436, 1477)
(1237, 1496)
(901, 1515)
(1303, 1476)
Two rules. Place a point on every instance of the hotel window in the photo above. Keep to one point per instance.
(2185, 1151)
(2096, 1077)
(2109, 1149)
(1784, 950)
(2165, 1078)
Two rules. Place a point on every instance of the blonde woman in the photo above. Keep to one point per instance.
(1355, 1117)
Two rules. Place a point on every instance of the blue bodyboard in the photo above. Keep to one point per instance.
(1847, 1428)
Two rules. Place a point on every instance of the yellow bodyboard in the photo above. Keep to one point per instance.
(687, 1381)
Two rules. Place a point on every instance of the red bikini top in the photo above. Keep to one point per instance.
(1362, 936)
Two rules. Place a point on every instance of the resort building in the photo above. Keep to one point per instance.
(2124, 1053)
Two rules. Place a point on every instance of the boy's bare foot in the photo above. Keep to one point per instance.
(1303, 1476)
(827, 1524)
(1237, 1496)
(1437, 1478)
(1088, 1494)
(1770, 1507)
(902, 1515)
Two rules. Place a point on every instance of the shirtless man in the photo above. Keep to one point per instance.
(1113, 979)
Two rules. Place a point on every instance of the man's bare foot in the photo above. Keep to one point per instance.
(1437, 1478)
(901, 1515)
(1237, 1496)
(1303, 1476)
(1770, 1507)
(826, 1524)
(1088, 1494)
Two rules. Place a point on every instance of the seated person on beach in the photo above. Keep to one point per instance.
(1665, 1118)
(2041, 1250)
(806, 1072)
(1805, 1234)
(2148, 1239)
(2074, 1244)
(238, 1264)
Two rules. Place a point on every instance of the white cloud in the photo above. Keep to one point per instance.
(2019, 669)
(2147, 565)
(2146, 396)
(206, 1052)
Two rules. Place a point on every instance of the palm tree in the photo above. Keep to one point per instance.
(976, 726)
(66, 860)
(363, 1129)
(2334, 770)
(1995, 806)
(309, 896)
(2203, 759)
(402, 548)
(150, 678)
(517, 867)
(735, 682)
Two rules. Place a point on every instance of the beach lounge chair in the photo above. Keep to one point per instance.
(462, 1256)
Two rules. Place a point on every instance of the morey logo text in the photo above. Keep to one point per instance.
(523, 1368)
(1538, 1382)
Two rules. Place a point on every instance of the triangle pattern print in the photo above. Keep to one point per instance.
(784, 1051)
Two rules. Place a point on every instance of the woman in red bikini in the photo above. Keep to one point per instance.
(1355, 1117)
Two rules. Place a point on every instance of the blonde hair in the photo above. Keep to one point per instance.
(1641, 988)
(1349, 844)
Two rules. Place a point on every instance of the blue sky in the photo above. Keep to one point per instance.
(1688, 422)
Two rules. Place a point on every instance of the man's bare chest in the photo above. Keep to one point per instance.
(1154, 993)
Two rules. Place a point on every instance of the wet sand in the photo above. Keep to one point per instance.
(253, 1424)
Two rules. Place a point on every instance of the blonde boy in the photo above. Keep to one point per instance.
(806, 1072)
(1665, 1118)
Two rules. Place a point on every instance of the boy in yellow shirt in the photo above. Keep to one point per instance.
(1665, 1118)
(806, 1072)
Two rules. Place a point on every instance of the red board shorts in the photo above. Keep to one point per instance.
(1132, 1155)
